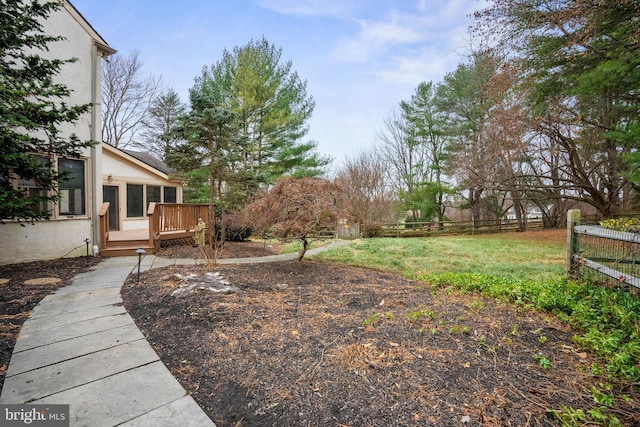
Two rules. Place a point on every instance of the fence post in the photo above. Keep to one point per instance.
(573, 219)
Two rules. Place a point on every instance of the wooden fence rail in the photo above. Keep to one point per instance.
(423, 229)
(610, 253)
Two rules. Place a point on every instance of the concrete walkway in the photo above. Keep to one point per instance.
(80, 347)
(284, 257)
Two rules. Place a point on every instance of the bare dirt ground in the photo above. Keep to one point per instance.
(320, 344)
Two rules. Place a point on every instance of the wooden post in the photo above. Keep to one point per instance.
(573, 219)
(103, 213)
(153, 218)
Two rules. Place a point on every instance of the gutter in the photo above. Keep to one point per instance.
(93, 135)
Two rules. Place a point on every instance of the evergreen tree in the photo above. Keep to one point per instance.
(32, 108)
(427, 128)
(211, 130)
(271, 106)
(161, 123)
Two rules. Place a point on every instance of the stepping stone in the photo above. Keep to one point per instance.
(43, 281)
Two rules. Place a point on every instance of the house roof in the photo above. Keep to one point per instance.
(149, 160)
(97, 38)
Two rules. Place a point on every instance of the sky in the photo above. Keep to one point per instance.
(360, 58)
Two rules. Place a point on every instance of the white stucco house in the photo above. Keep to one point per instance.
(72, 219)
(130, 181)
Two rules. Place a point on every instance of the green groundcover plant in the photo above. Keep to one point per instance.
(608, 321)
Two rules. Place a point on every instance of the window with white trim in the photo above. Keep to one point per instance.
(135, 206)
(153, 194)
(32, 189)
(170, 195)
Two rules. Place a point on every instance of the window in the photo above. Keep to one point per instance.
(32, 190)
(137, 194)
(153, 194)
(170, 195)
(71, 187)
(135, 205)
(72, 191)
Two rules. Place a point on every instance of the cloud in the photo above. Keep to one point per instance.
(330, 8)
(408, 71)
(407, 46)
(375, 39)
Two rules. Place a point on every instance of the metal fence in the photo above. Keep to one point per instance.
(609, 254)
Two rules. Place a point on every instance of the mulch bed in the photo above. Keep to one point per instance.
(23, 286)
(244, 249)
(319, 344)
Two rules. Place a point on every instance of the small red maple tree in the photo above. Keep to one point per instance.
(296, 209)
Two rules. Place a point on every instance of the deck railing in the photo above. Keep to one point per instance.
(174, 218)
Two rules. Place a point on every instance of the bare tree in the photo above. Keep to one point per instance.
(466, 96)
(127, 95)
(365, 181)
(404, 158)
(294, 209)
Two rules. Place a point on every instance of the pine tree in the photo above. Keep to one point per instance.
(271, 107)
(32, 108)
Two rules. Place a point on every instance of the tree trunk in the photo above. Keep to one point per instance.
(212, 209)
(474, 201)
(518, 209)
(223, 229)
(305, 246)
(441, 206)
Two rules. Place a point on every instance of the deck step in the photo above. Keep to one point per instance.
(125, 250)
(127, 243)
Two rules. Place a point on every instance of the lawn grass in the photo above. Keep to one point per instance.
(296, 245)
(496, 255)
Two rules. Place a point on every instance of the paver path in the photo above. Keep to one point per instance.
(80, 347)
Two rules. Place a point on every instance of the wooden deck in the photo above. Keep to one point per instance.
(126, 242)
(167, 221)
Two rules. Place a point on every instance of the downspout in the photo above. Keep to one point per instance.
(93, 135)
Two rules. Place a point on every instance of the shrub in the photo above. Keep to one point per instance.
(236, 228)
(372, 229)
(631, 225)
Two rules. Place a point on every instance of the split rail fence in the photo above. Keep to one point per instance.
(609, 254)
(424, 229)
